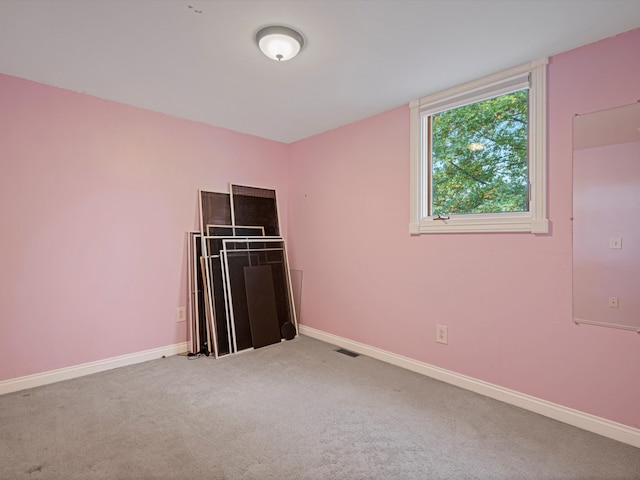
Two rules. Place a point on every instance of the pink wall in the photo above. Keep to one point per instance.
(506, 298)
(95, 200)
(606, 203)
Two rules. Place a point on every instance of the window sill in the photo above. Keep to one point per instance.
(487, 224)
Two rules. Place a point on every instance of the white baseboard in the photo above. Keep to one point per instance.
(52, 376)
(576, 418)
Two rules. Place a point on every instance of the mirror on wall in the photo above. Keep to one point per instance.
(606, 218)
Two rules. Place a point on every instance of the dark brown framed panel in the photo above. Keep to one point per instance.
(240, 253)
(196, 305)
(235, 289)
(235, 230)
(255, 206)
(216, 307)
(215, 209)
(197, 297)
(261, 305)
(207, 331)
(217, 301)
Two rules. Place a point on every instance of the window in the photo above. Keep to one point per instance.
(478, 155)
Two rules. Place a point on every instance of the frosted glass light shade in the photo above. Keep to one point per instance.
(279, 43)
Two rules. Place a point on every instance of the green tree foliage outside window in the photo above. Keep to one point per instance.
(479, 157)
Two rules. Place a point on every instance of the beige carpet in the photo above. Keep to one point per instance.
(295, 410)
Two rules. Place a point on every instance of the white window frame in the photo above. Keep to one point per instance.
(535, 221)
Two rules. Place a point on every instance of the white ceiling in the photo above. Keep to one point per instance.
(197, 59)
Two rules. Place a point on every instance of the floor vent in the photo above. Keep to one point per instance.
(347, 352)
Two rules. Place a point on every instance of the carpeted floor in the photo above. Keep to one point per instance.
(296, 410)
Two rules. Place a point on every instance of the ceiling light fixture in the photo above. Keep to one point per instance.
(279, 43)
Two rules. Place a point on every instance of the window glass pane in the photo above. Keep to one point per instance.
(479, 157)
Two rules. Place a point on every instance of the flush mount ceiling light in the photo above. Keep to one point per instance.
(279, 43)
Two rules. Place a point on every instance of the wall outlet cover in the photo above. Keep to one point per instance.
(442, 334)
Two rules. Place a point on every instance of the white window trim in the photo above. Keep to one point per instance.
(535, 220)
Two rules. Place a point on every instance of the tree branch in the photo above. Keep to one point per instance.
(464, 172)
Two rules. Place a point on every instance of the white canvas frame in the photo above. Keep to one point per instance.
(209, 286)
(192, 271)
(228, 292)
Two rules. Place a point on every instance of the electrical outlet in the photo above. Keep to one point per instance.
(181, 314)
(442, 335)
(613, 302)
